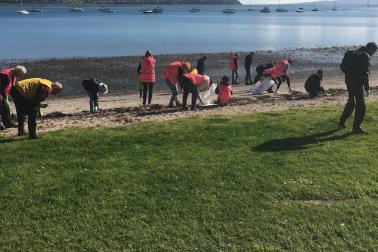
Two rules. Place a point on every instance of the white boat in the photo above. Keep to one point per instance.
(300, 10)
(194, 10)
(266, 10)
(229, 11)
(36, 10)
(76, 9)
(280, 9)
(107, 10)
(147, 11)
(22, 11)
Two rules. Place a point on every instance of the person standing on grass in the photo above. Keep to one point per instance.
(248, 65)
(201, 65)
(27, 96)
(234, 66)
(172, 73)
(8, 78)
(93, 87)
(313, 84)
(147, 76)
(356, 66)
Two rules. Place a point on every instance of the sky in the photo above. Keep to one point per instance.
(274, 1)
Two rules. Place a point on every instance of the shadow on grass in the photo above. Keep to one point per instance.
(12, 139)
(299, 143)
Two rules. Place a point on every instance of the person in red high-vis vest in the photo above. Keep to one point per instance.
(189, 83)
(8, 78)
(279, 73)
(147, 76)
(171, 74)
(234, 66)
(224, 91)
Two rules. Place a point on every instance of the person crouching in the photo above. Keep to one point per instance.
(93, 87)
(313, 84)
(224, 91)
(27, 96)
(189, 83)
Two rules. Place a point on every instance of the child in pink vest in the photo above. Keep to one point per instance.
(224, 91)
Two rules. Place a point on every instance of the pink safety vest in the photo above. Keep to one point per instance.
(171, 71)
(232, 65)
(147, 71)
(9, 85)
(196, 79)
(225, 93)
(279, 70)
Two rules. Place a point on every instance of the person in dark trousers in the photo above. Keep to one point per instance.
(248, 65)
(93, 87)
(201, 65)
(8, 77)
(313, 84)
(140, 82)
(189, 83)
(147, 76)
(356, 66)
(260, 70)
(234, 66)
(27, 96)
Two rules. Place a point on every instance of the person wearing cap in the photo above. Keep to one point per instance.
(171, 74)
(8, 77)
(356, 66)
(147, 76)
(201, 65)
(27, 96)
(191, 83)
(313, 84)
(224, 91)
(247, 66)
(93, 87)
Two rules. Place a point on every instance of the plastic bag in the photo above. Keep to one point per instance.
(260, 87)
(209, 97)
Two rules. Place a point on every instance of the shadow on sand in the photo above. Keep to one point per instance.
(300, 143)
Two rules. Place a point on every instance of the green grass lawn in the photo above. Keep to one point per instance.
(271, 181)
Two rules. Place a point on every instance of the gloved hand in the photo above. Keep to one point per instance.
(6, 102)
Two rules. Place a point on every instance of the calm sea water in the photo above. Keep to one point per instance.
(59, 33)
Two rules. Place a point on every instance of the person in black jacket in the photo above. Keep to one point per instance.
(247, 65)
(260, 71)
(356, 66)
(201, 65)
(93, 86)
(313, 84)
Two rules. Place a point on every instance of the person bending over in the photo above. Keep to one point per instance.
(313, 84)
(93, 87)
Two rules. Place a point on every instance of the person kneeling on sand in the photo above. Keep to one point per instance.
(190, 83)
(172, 73)
(313, 84)
(27, 96)
(224, 91)
(93, 87)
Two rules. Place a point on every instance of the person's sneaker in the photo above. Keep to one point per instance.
(359, 131)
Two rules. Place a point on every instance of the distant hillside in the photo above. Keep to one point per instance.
(147, 2)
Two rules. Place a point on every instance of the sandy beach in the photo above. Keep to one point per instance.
(123, 106)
